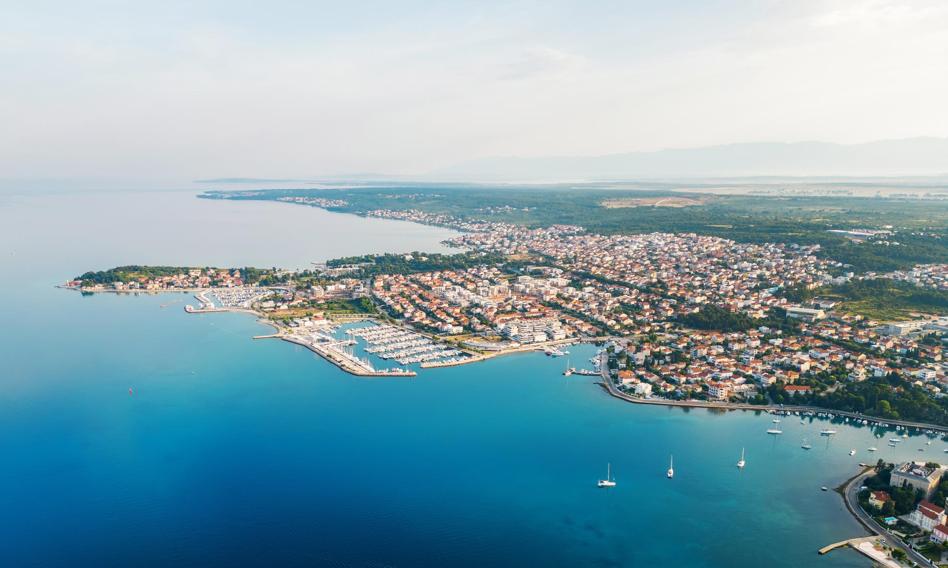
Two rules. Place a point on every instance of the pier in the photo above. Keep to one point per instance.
(871, 546)
(330, 350)
(854, 542)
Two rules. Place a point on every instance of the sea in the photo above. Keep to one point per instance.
(233, 452)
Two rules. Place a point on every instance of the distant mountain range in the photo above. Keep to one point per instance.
(906, 157)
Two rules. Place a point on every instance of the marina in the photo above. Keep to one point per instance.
(320, 340)
(228, 299)
(405, 346)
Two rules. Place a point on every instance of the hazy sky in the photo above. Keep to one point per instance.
(184, 90)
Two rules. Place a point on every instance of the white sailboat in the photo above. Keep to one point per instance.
(805, 445)
(608, 481)
(741, 463)
(671, 468)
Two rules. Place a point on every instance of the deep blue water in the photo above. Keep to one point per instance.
(235, 452)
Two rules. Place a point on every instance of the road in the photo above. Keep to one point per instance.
(851, 497)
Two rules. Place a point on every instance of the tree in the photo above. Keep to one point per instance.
(888, 508)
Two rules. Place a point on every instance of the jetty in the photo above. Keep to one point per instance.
(873, 547)
(334, 351)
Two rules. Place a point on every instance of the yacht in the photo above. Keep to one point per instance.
(671, 468)
(852, 452)
(774, 431)
(741, 462)
(827, 432)
(895, 440)
(806, 445)
(872, 449)
(608, 481)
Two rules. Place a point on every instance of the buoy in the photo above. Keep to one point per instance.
(130, 391)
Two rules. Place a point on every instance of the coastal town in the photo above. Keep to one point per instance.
(683, 316)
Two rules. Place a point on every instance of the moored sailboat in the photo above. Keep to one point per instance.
(608, 481)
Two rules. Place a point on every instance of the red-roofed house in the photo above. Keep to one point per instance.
(927, 516)
(878, 499)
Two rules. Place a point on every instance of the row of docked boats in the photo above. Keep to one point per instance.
(854, 421)
(403, 345)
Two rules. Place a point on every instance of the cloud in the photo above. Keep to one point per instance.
(302, 89)
(877, 13)
(542, 61)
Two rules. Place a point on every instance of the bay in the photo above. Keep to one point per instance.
(246, 453)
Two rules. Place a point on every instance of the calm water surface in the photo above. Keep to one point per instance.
(241, 453)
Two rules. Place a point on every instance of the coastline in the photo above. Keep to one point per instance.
(610, 388)
(849, 491)
(474, 357)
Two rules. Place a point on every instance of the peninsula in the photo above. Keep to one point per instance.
(685, 317)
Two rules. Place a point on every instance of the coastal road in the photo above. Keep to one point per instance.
(851, 498)
(614, 391)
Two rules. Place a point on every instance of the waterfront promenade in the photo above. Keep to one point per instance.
(610, 388)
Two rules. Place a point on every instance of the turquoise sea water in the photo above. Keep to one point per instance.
(236, 452)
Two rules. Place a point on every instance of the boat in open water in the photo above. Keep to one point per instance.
(608, 481)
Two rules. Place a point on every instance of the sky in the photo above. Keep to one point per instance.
(189, 90)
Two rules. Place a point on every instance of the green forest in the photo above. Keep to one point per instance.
(711, 317)
(129, 274)
(889, 397)
(374, 264)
